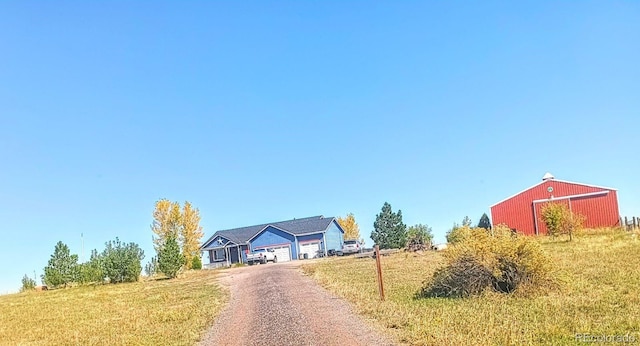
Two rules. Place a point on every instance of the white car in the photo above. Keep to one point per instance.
(351, 246)
(262, 256)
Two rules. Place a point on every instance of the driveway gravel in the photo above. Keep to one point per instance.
(275, 304)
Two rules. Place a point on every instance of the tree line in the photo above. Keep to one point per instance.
(176, 238)
(390, 232)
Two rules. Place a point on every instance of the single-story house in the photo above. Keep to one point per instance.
(290, 240)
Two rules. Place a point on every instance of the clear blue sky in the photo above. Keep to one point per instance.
(265, 111)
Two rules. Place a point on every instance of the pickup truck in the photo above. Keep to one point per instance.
(261, 256)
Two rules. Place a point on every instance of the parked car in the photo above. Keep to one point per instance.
(351, 246)
(261, 256)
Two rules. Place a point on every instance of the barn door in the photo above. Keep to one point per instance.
(541, 227)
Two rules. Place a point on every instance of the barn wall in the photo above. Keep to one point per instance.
(518, 212)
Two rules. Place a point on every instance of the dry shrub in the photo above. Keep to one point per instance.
(500, 260)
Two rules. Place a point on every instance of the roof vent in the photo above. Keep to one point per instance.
(548, 176)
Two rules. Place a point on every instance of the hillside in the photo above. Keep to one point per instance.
(598, 295)
(155, 312)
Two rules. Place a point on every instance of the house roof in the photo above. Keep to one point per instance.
(309, 225)
(557, 180)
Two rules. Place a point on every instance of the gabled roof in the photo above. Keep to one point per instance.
(309, 225)
(560, 181)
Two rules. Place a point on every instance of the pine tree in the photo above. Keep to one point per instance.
(388, 230)
(170, 260)
(484, 222)
(62, 268)
(122, 262)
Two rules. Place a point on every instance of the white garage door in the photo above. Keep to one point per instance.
(311, 249)
(283, 253)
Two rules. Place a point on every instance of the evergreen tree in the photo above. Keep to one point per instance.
(62, 268)
(151, 268)
(484, 222)
(121, 262)
(388, 230)
(170, 260)
(27, 283)
(93, 270)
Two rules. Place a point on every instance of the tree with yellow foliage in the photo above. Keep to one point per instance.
(350, 227)
(182, 224)
(191, 233)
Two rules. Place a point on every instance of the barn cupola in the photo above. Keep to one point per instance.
(548, 176)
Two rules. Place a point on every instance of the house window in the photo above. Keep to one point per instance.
(218, 255)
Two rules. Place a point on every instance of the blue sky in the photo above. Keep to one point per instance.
(265, 111)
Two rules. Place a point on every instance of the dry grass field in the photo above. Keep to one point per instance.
(599, 294)
(155, 312)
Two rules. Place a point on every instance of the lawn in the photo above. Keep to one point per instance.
(155, 312)
(598, 295)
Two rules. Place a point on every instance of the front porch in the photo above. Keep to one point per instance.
(224, 256)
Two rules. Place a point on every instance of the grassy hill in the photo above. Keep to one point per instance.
(599, 294)
(156, 312)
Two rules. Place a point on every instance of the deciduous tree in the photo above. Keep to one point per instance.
(183, 224)
(350, 227)
(560, 220)
(191, 234)
(388, 230)
(419, 237)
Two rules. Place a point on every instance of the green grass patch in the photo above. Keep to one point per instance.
(156, 312)
(599, 275)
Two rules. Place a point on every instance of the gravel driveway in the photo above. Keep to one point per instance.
(274, 304)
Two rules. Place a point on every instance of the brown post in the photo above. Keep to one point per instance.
(379, 270)
(626, 224)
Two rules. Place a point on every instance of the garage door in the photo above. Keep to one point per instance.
(311, 249)
(283, 253)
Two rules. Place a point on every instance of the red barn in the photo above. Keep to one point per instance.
(522, 211)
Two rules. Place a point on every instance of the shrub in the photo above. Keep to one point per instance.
(121, 262)
(27, 283)
(500, 260)
(457, 234)
(560, 220)
(419, 237)
(196, 263)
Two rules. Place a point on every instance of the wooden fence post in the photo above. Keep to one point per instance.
(379, 270)
(626, 224)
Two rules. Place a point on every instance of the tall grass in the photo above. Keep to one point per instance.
(599, 274)
(159, 312)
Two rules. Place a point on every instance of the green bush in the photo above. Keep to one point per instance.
(500, 260)
(121, 262)
(458, 233)
(560, 220)
(196, 263)
(27, 283)
(419, 238)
